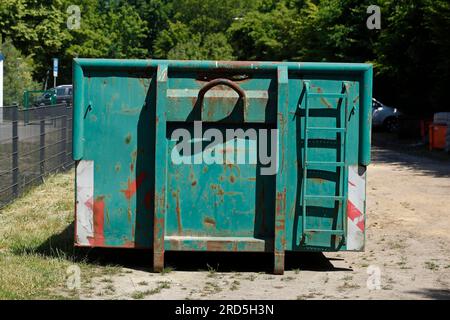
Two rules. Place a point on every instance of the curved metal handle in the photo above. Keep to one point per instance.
(222, 81)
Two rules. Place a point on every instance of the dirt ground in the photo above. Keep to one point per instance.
(407, 240)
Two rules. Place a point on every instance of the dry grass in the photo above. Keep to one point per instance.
(36, 243)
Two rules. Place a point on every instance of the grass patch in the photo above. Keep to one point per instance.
(348, 286)
(137, 295)
(235, 285)
(36, 243)
(212, 272)
(166, 270)
(431, 265)
(251, 277)
(211, 288)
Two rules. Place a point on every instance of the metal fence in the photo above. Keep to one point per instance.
(33, 143)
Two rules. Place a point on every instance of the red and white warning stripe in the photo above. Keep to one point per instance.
(85, 202)
(356, 208)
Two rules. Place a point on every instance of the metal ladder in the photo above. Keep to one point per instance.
(342, 164)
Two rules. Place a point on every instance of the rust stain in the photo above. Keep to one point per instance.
(128, 138)
(209, 222)
(232, 179)
(133, 186)
(219, 190)
(194, 183)
(134, 155)
(128, 244)
(323, 100)
(280, 210)
(318, 180)
(178, 210)
(216, 246)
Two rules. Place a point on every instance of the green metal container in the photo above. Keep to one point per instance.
(221, 156)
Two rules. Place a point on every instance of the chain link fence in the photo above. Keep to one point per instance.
(33, 143)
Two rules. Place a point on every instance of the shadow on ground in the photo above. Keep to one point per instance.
(415, 155)
(141, 259)
(436, 294)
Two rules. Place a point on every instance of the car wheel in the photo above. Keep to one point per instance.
(391, 124)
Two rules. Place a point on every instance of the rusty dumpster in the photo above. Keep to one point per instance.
(221, 156)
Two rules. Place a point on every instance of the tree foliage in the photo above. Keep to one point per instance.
(18, 74)
(410, 53)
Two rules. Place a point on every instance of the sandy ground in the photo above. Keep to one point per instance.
(408, 237)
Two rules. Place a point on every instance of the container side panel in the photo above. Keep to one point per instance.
(119, 138)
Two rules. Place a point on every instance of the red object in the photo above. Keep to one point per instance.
(437, 136)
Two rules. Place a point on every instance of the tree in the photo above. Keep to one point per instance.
(40, 28)
(265, 35)
(18, 73)
(197, 29)
(413, 54)
(178, 42)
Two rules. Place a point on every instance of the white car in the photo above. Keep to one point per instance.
(384, 117)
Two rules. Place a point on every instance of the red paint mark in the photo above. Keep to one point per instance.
(99, 221)
(132, 166)
(355, 215)
(133, 186)
(352, 184)
(89, 203)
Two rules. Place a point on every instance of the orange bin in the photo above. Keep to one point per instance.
(437, 136)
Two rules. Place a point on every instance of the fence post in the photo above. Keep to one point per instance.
(26, 102)
(64, 137)
(15, 150)
(41, 142)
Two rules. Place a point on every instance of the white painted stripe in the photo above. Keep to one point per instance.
(355, 237)
(85, 201)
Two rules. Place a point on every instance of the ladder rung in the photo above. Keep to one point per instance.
(327, 95)
(313, 197)
(324, 163)
(326, 129)
(332, 232)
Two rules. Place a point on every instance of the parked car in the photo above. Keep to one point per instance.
(63, 95)
(384, 117)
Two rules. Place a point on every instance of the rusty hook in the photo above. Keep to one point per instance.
(222, 81)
